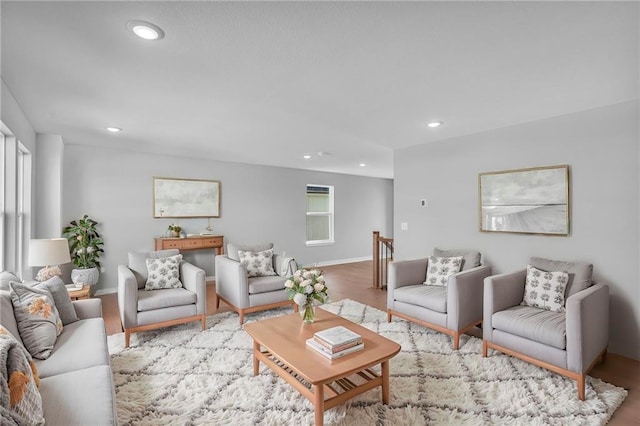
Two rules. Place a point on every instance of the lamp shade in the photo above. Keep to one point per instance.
(53, 251)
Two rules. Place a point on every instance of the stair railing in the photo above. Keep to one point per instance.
(382, 255)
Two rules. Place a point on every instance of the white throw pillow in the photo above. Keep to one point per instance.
(163, 272)
(439, 269)
(545, 290)
(257, 263)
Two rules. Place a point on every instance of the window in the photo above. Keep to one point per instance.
(319, 214)
(2, 201)
(23, 224)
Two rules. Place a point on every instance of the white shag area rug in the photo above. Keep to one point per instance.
(181, 375)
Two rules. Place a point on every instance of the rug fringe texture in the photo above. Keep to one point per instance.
(181, 375)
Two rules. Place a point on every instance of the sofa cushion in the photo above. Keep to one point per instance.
(439, 269)
(22, 401)
(580, 273)
(432, 297)
(470, 258)
(163, 272)
(138, 262)
(7, 318)
(266, 284)
(61, 299)
(257, 263)
(81, 397)
(545, 290)
(535, 324)
(232, 249)
(37, 317)
(158, 299)
(80, 345)
(5, 278)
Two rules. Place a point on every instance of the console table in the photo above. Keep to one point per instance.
(199, 242)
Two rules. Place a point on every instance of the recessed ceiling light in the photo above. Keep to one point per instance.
(362, 164)
(434, 124)
(145, 30)
(114, 129)
(306, 157)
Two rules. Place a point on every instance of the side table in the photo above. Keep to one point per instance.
(82, 293)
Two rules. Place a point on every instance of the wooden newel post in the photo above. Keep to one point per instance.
(376, 259)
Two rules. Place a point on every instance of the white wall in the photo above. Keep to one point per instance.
(258, 203)
(48, 186)
(601, 148)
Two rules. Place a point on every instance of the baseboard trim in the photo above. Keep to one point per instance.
(339, 261)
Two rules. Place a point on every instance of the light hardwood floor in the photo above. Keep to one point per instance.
(353, 281)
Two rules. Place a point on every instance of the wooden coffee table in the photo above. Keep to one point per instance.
(280, 344)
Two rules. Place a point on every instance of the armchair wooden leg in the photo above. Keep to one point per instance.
(388, 316)
(204, 322)
(127, 336)
(456, 340)
(485, 348)
(581, 385)
(217, 299)
(241, 316)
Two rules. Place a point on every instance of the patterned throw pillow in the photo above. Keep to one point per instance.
(38, 320)
(61, 299)
(163, 273)
(440, 268)
(545, 290)
(19, 372)
(258, 264)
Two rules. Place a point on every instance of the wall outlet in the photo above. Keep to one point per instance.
(102, 269)
(424, 203)
(404, 226)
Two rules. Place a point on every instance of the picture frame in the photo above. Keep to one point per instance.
(525, 201)
(185, 198)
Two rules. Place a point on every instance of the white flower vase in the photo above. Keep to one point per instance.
(85, 276)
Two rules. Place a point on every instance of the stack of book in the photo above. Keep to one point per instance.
(335, 342)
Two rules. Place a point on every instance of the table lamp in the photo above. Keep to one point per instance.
(49, 253)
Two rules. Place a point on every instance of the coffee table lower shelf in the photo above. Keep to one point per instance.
(326, 395)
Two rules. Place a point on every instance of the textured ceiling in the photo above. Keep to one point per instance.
(265, 83)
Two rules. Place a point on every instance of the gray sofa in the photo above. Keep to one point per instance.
(252, 294)
(76, 382)
(568, 343)
(453, 309)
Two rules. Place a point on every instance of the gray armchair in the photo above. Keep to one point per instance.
(246, 294)
(452, 309)
(142, 309)
(568, 343)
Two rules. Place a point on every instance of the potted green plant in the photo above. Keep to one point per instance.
(175, 230)
(85, 246)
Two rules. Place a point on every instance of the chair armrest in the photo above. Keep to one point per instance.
(127, 297)
(88, 308)
(403, 273)
(501, 292)
(464, 297)
(232, 283)
(587, 326)
(193, 279)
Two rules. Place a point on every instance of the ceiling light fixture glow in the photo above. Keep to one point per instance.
(114, 129)
(145, 30)
(362, 164)
(306, 157)
(434, 124)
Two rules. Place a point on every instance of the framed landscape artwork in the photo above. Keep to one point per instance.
(185, 197)
(525, 201)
